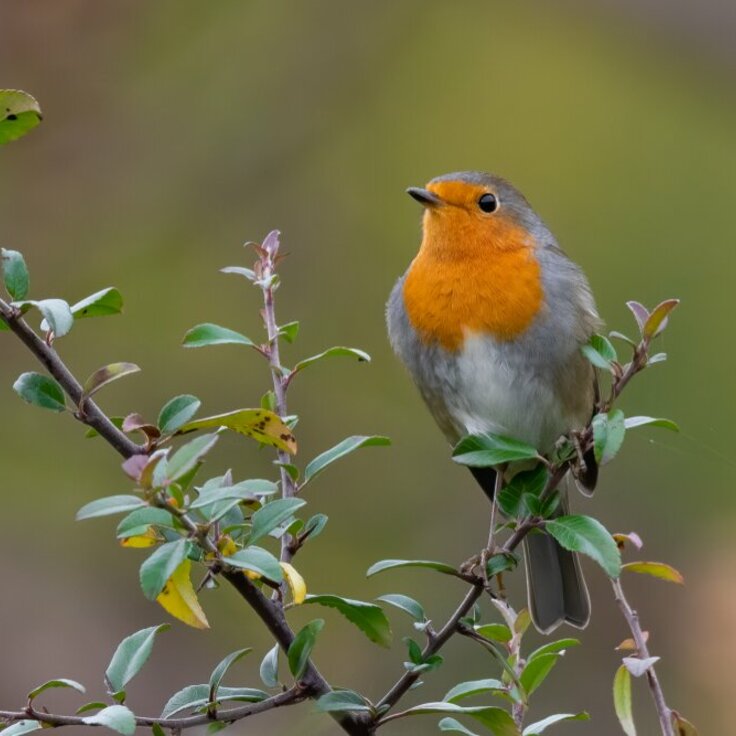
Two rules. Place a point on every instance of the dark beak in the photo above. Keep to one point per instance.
(424, 197)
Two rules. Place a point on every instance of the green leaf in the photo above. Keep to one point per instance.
(554, 647)
(15, 272)
(116, 718)
(273, 514)
(587, 535)
(343, 701)
(106, 375)
(600, 352)
(406, 604)
(473, 687)
(269, 669)
(247, 490)
(660, 570)
(195, 696)
(20, 727)
(289, 331)
(109, 505)
(497, 720)
(429, 564)
(210, 334)
(359, 354)
(130, 656)
(221, 670)
(608, 435)
(61, 682)
(348, 445)
(534, 729)
(301, 648)
(496, 632)
(57, 316)
(176, 412)
(257, 560)
(452, 724)
(95, 705)
(188, 456)
(100, 304)
(657, 320)
(501, 562)
(160, 566)
(40, 391)
(622, 700)
(528, 482)
(631, 422)
(536, 670)
(314, 526)
(139, 521)
(19, 114)
(368, 617)
(489, 450)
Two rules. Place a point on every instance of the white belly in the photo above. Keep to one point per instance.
(498, 390)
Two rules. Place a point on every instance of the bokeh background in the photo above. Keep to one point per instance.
(174, 131)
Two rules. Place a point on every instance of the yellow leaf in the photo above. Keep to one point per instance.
(262, 425)
(629, 645)
(296, 583)
(660, 570)
(179, 599)
(148, 539)
(226, 546)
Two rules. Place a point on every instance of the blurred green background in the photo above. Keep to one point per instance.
(175, 131)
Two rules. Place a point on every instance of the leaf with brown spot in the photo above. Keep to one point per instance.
(105, 375)
(179, 599)
(262, 425)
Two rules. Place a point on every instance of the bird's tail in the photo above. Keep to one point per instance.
(555, 585)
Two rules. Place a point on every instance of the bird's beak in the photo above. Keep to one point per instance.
(424, 197)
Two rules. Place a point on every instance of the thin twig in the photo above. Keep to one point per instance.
(90, 414)
(632, 619)
(289, 697)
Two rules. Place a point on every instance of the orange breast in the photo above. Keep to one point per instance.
(452, 288)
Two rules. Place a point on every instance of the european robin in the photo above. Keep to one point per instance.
(489, 319)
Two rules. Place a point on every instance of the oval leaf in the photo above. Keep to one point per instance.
(15, 273)
(179, 598)
(453, 725)
(473, 687)
(587, 535)
(600, 352)
(40, 391)
(116, 718)
(262, 425)
(21, 727)
(211, 334)
(348, 445)
(301, 648)
(329, 353)
(496, 719)
(100, 304)
(176, 412)
(404, 603)
(19, 114)
(489, 450)
(608, 435)
(343, 701)
(660, 570)
(130, 656)
(160, 566)
(391, 564)
(269, 669)
(257, 560)
(105, 375)
(273, 514)
(631, 422)
(188, 456)
(368, 617)
(296, 583)
(534, 729)
(536, 671)
(657, 320)
(221, 670)
(61, 682)
(195, 696)
(622, 700)
(109, 505)
(57, 316)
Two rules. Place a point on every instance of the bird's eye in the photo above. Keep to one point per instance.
(488, 203)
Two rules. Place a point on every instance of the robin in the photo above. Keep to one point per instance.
(489, 319)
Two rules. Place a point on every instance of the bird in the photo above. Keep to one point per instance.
(489, 319)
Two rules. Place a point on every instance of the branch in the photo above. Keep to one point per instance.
(289, 697)
(89, 414)
(632, 619)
